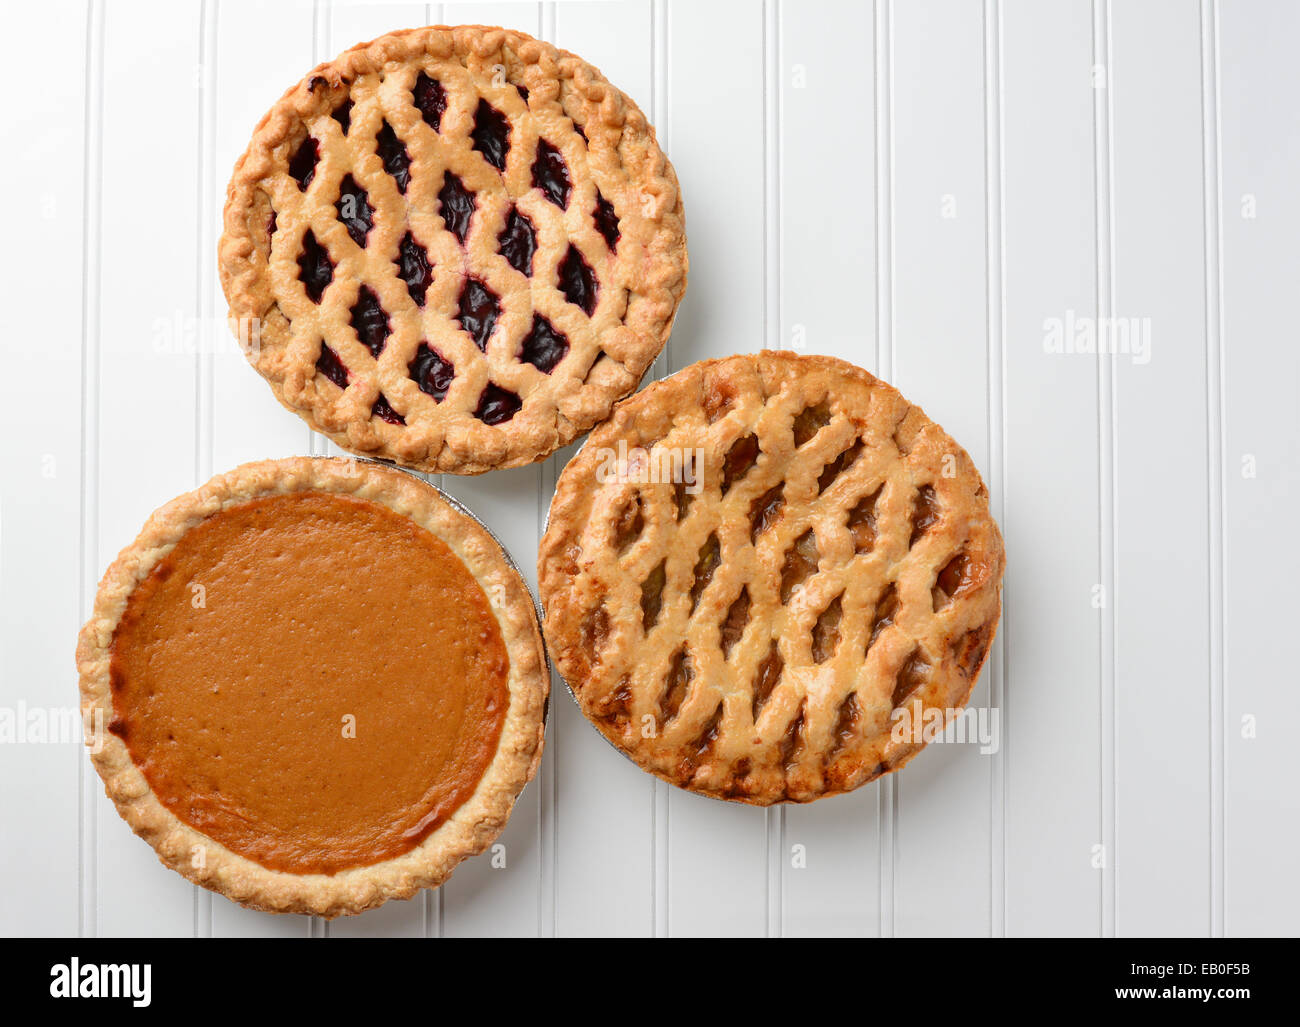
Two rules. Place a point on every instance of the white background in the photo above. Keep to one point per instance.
(914, 186)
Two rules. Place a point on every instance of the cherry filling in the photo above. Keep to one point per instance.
(370, 322)
(497, 405)
(606, 222)
(518, 242)
(458, 205)
(392, 151)
(551, 174)
(354, 210)
(478, 312)
(271, 223)
(413, 268)
(431, 99)
(384, 411)
(343, 115)
(578, 281)
(329, 364)
(491, 134)
(302, 165)
(316, 270)
(431, 372)
(544, 347)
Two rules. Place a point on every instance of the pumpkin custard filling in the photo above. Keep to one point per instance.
(380, 695)
(309, 682)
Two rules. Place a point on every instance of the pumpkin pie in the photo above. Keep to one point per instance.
(323, 684)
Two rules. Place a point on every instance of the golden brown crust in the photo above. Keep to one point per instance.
(838, 541)
(641, 283)
(468, 831)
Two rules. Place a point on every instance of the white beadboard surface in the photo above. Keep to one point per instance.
(923, 187)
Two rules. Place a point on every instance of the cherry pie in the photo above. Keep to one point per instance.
(754, 563)
(458, 248)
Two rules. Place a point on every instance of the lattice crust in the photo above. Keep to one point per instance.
(752, 641)
(461, 247)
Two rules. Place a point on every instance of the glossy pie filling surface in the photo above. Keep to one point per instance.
(312, 680)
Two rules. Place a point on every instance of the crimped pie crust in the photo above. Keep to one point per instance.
(468, 831)
(641, 282)
(671, 663)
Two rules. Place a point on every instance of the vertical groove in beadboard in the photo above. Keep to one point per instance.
(1216, 449)
(772, 173)
(1107, 422)
(429, 913)
(887, 810)
(774, 816)
(547, 908)
(661, 116)
(321, 13)
(548, 913)
(434, 14)
(92, 200)
(994, 233)
(204, 426)
(659, 795)
(204, 266)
